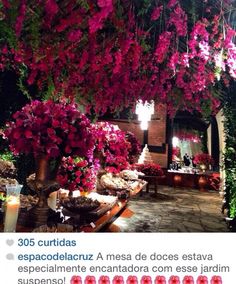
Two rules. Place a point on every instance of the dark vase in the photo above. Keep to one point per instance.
(202, 183)
(46, 169)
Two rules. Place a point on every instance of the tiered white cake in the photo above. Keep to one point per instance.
(145, 157)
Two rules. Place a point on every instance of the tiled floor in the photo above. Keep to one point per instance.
(173, 210)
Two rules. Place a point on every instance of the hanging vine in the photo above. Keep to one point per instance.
(108, 54)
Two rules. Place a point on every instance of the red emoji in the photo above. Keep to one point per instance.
(160, 280)
(132, 280)
(174, 280)
(188, 280)
(202, 280)
(146, 280)
(75, 280)
(216, 280)
(104, 280)
(90, 280)
(118, 280)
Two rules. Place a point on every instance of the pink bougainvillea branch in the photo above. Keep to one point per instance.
(107, 56)
(112, 146)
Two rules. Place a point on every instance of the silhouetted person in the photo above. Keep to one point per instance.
(186, 160)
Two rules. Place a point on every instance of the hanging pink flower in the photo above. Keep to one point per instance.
(99, 53)
(106, 4)
(6, 4)
(172, 3)
(156, 13)
(174, 61)
(20, 18)
(178, 18)
(75, 35)
(111, 145)
(118, 61)
(51, 8)
(163, 46)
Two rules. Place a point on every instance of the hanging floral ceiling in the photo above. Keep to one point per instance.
(108, 54)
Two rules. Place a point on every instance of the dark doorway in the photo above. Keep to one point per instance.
(215, 144)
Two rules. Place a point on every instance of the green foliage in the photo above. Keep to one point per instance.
(230, 168)
(84, 4)
(145, 6)
(230, 153)
(50, 89)
(23, 73)
(6, 31)
(7, 156)
(34, 28)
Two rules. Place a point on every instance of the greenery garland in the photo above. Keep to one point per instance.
(230, 152)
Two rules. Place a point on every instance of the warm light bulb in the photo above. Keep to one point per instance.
(175, 141)
(144, 125)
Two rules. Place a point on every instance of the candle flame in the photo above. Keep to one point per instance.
(13, 200)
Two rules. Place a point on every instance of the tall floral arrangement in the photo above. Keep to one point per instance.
(111, 145)
(108, 54)
(52, 129)
(76, 174)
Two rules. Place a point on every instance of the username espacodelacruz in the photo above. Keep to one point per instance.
(55, 257)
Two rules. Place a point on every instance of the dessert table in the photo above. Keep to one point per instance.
(99, 222)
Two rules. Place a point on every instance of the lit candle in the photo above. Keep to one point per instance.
(12, 210)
